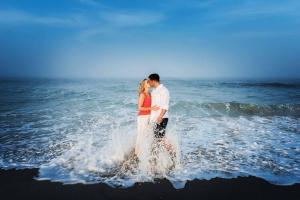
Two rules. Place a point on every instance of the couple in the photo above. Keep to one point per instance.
(152, 112)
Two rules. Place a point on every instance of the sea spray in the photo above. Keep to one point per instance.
(84, 131)
(115, 162)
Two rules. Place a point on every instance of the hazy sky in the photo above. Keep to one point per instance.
(176, 38)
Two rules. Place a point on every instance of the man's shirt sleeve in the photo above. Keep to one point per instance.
(165, 96)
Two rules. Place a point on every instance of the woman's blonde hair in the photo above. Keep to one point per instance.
(142, 86)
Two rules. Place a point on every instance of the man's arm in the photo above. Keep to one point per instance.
(161, 115)
(164, 106)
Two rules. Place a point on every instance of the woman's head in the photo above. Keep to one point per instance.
(144, 86)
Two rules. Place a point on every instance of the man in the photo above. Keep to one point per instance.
(160, 97)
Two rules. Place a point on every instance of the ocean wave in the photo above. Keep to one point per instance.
(293, 85)
(272, 84)
(84, 131)
(240, 84)
(238, 109)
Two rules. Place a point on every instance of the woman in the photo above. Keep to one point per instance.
(144, 108)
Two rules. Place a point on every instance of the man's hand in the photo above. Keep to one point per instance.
(159, 120)
(160, 117)
(154, 108)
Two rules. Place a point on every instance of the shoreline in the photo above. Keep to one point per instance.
(17, 184)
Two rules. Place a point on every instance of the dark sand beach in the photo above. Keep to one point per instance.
(20, 184)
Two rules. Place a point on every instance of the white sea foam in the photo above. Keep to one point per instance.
(84, 132)
(90, 159)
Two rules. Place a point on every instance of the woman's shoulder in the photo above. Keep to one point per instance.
(144, 94)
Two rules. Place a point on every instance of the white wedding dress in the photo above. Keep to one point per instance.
(144, 135)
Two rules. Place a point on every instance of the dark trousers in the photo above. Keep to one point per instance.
(160, 129)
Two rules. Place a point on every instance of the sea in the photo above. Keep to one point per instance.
(84, 130)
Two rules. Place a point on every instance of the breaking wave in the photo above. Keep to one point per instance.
(240, 109)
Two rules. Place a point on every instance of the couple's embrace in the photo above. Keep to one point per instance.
(152, 113)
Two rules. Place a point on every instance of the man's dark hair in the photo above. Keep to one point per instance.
(154, 77)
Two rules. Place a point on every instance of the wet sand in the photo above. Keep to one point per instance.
(20, 184)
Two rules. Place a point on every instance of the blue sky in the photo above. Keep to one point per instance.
(176, 38)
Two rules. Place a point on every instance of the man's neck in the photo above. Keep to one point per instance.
(157, 85)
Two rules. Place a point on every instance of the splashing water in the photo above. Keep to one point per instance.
(114, 163)
(84, 131)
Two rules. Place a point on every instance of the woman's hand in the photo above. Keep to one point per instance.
(155, 108)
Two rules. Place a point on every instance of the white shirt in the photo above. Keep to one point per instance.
(159, 97)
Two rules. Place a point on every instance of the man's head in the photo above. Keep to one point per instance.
(153, 80)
